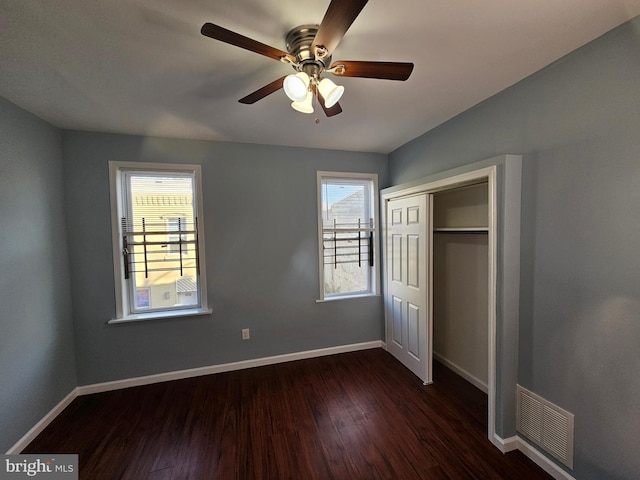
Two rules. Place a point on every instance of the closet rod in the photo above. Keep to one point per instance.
(461, 230)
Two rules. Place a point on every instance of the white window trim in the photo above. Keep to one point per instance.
(375, 274)
(121, 293)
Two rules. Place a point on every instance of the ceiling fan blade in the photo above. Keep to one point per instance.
(232, 38)
(263, 92)
(329, 112)
(337, 20)
(382, 70)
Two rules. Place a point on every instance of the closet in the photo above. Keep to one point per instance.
(461, 281)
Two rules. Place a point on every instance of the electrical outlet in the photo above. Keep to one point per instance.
(245, 334)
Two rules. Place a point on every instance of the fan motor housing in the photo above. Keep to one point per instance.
(299, 41)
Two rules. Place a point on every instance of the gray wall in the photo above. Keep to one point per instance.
(36, 329)
(577, 123)
(261, 249)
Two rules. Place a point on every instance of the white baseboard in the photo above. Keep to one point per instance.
(505, 445)
(225, 367)
(462, 372)
(42, 424)
(542, 461)
(177, 375)
(518, 443)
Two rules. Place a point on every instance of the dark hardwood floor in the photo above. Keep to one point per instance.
(352, 416)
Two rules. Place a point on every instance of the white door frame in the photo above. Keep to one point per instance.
(489, 174)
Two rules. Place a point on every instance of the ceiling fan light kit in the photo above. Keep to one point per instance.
(330, 92)
(296, 86)
(305, 106)
(309, 51)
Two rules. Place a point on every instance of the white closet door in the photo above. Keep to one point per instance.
(408, 309)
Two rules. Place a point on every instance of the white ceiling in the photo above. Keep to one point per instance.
(142, 66)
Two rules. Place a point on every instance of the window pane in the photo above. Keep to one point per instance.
(345, 278)
(344, 205)
(163, 263)
(347, 221)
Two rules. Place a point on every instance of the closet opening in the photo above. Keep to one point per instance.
(461, 292)
(461, 282)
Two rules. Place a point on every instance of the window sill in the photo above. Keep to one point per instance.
(139, 317)
(347, 297)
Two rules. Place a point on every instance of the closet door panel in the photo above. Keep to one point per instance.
(406, 298)
(413, 261)
(396, 323)
(413, 330)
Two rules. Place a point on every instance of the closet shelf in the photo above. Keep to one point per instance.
(461, 230)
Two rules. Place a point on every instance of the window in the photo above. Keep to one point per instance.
(347, 231)
(174, 245)
(158, 244)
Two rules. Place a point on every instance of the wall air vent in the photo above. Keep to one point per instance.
(545, 424)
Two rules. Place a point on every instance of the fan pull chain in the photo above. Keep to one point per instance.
(317, 104)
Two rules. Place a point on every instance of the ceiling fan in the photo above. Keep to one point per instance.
(309, 50)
